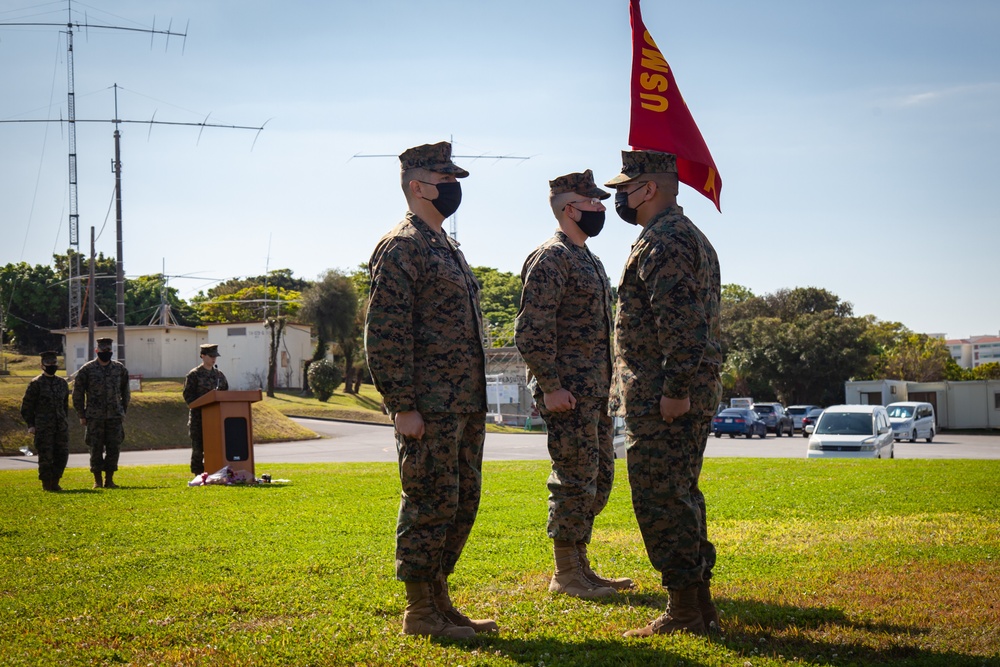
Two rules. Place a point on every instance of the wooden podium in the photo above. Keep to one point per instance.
(227, 429)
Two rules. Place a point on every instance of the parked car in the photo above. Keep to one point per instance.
(911, 420)
(797, 412)
(738, 421)
(858, 431)
(775, 418)
(809, 421)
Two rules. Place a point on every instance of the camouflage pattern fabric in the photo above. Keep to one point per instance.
(104, 439)
(580, 182)
(563, 332)
(563, 324)
(423, 336)
(583, 467)
(441, 476)
(667, 343)
(101, 392)
(101, 395)
(44, 407)
(664, 464)
(667, 329)
(636, 164)
(198, 382)
(433, 157)
(424, 348)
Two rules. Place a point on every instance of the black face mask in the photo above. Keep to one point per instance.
(50, 370)
(591, 222)
(624, 211)
(104, 356)
(448, 199)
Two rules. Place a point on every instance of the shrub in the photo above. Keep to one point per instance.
(324, 378)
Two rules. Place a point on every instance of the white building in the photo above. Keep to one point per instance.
(244, 348)
(152, 351)
(957, 405)
(158, 351)
(974, 351)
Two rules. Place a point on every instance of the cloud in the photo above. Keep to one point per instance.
(934, 96)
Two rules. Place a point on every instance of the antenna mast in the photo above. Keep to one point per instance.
(73, 258)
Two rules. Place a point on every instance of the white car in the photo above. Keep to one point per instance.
(911, 420)
(852, 431)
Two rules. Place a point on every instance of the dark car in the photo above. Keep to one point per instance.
(810, 419)
(774, 416)
(738, 421)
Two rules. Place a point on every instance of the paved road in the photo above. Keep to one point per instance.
(344, 442)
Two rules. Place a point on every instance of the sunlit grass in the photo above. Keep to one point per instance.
(822, 563)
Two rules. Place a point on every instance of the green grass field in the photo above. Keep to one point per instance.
(820, 563)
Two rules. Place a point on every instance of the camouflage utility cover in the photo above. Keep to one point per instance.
(640, 163)
(433, 157)
(563, 324)
(667, 330)
(423, 336)
(582, 183)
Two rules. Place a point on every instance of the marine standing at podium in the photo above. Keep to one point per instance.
(198, 382)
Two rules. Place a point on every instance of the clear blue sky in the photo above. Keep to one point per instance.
(858, 142)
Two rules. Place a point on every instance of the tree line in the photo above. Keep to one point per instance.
(794, 345)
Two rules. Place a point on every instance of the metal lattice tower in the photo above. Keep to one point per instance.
(75, 278)
(75, 314)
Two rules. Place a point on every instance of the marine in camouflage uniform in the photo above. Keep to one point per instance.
(666, 382)
(563, 332)
(101, 396)
(44, 409)
(198, 382)
(424, 348)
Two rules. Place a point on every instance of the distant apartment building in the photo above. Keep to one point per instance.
(975, 350)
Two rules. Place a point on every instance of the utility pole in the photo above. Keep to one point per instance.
(75, 314)
(73, 259)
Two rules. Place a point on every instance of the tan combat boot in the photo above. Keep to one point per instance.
(619, 584)
(421, 617)
(442, 600)
(98, 482)
(709, 614)
(682, 614)
(109, 481)
(569, 578)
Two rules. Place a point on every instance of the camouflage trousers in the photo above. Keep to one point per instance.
(52, 446)
(664, 463)
(583, 466)
(104, 440)
(197, 444)
(441, 477)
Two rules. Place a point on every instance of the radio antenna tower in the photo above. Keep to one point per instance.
(73, 261)
(453, 220)
(75, 311)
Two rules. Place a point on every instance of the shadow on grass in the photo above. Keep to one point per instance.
(752, 628)
(553, 652)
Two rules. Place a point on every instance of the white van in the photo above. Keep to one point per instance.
(912, 420)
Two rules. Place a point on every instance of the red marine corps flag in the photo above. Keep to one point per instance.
(661, 120)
